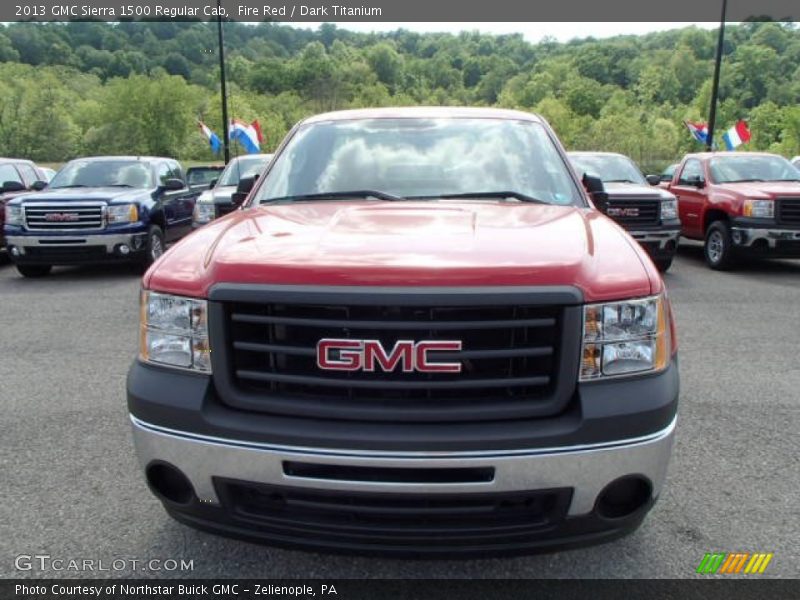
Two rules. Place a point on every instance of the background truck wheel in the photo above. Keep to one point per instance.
(718, 248)
(34, 270)
(662, 264)
(155, 245)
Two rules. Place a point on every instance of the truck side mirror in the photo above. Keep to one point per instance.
(696, 181)
(212, 183)
(246, 184)
(173, 185)
(238, 198)
(12, 186)
(593, 184)
(653, 179)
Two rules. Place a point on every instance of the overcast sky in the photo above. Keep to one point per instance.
(533, 32)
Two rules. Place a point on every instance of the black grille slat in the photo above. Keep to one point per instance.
(358, 324)
(515, 360)
(377, 384)
(649, 211)
(788, 211)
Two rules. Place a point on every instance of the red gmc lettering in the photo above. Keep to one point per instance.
(370, 355)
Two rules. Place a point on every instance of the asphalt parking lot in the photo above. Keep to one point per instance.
(72, 488)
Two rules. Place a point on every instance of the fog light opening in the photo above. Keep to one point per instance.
(124, 249)
(14, 251)
(737, 237)
(623, 497)
(169, 483)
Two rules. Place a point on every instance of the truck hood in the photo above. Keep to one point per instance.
(105, 194)
(761, 189)
(620, 190)
(443, 243)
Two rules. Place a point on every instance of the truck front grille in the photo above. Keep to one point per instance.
(788, 212)
(518, 359)
(64, 216)
(634, 212)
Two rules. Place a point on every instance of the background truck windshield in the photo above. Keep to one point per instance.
(104, 173)
(417, 157)
(608, 167)
(749, 167)
(242, 167)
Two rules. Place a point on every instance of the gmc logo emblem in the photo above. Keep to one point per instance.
(370, 355)
(61, 217)
(623, 212)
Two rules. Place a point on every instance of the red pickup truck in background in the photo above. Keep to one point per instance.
(740, 204)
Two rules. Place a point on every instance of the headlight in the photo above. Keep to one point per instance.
(203, 212)
(174, 331)
(669, 209)
(759, 209)
(122, 213)
(622, 338)
(13, 215)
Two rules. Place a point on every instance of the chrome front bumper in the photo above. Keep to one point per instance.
(662, 238)
(746, 236)
(136, 241)
(587, 468)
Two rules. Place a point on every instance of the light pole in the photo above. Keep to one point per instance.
(225, 146)
(712, 113)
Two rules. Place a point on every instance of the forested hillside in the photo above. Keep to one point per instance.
(92, 88)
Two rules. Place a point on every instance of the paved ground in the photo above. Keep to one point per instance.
(71, 487)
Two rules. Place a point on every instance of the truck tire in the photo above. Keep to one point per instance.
(663, 264)
(34, 270)
(155, 245)
(718, 248)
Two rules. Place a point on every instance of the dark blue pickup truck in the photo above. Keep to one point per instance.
(100, 209)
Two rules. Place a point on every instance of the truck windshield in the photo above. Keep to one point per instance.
(608, 167)
(242, 167)
(737, 169)
(428, 158)
(104, 173)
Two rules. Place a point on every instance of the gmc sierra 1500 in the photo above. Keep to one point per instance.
(417, 338)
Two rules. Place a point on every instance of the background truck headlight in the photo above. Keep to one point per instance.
(174, 332)
(759, 209)
(203, 212)
(13, 215)
(669, 209)
(625, 338)
(122, 213)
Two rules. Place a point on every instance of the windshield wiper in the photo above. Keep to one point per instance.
(125, 185)
(74, 185)
(620, 181)
(481, 195)
(335, 196)
(744, 180)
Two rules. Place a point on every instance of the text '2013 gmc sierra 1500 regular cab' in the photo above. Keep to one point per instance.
(418, 338)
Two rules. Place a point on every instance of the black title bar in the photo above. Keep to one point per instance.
(399, 11)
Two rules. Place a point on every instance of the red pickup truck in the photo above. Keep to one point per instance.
(740, 204)
(417, 337)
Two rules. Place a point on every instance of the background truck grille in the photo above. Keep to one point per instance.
(71, 216)
(513, 361)
(648, 212)
(788, 211)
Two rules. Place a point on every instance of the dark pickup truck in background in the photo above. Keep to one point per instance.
(649, 213)
(100, 209)
(17, 176)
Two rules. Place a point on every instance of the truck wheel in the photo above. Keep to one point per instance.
(718, 248)
(663, 264)
(34, 270)
(155, 245)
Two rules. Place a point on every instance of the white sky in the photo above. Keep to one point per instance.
(533, 32)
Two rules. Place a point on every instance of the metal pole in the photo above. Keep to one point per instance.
(225, 146)
(712, 113)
